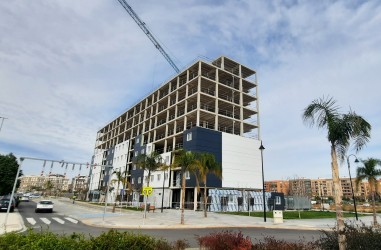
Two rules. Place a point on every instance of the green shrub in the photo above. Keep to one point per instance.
(357, 237)
(108, 240)
(42, 241)
(225, 240)
(121, 240)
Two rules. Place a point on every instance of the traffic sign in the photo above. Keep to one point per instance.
(147, 191)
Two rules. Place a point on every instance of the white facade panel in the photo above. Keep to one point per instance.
(96, 170)
(241, 162)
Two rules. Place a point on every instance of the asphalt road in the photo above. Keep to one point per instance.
(61, 223)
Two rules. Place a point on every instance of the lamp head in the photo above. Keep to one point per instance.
(261, 147)
(357, 160)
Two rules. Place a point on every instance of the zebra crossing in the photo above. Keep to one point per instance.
(48, 221)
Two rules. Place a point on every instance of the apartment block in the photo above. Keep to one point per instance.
(279, 186)
(33, 183)
(208, 107)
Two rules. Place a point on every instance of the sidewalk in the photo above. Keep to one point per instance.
(14, 223)
(93, 215)
(170, 219)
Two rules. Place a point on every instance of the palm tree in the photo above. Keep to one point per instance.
(206, 164)
(150, 162)
(342, 130)
(371, 173)
(49, 186)
(186, 161)
(119, 177)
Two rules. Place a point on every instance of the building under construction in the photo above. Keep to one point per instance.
(208, 107)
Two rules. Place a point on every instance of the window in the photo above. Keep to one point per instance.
(278, 201)
(167, 159)
(158, 177)
(132, 181)
(134, 167)
(187, 175)
(231, 198)
(189, 136)
(148, 149)
(136, 153)
(165, 176)
(137, 140)
(152, 178)
(139, 180)
(142, 151)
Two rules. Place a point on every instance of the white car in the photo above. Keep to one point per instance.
(44, 205)
(24, 198)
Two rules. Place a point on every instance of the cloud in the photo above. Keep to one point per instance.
(69, 67)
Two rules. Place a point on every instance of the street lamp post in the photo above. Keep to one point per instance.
(350, 179)
(263, 183)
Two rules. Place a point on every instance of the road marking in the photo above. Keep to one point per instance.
(58, 220)
(31, 221)
(71, 220)
(46, 221)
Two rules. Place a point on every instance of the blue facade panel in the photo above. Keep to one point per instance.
(204, 140)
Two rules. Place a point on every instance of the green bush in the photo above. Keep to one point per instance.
(111, 240)
(120, 240)
(357, 237)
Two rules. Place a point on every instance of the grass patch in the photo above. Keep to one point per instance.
(289, 215)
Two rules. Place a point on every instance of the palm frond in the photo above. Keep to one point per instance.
(320, 111)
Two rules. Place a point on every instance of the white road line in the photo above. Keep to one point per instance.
(31, 221)
(58, 220)
(71, 220)
(46, 221)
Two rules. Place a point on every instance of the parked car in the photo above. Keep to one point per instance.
(4, 203)
(44, 205)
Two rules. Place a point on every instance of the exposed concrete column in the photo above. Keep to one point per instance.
(241, 105)
(195, 199)
(198, 100)
(216, 101)
(257, 102)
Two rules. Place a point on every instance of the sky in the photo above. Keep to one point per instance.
(68, 67)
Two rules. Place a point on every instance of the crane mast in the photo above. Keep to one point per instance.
(143, 26)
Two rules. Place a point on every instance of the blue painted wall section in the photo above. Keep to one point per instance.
(138, 172)
(204, 140)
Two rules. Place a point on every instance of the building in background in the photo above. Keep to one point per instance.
(280, 186)
(320, 187)
(33, 183)
(208, 107)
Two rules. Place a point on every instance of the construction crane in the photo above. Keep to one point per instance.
(143, 26)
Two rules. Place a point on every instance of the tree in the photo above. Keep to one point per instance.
(49, 186)
(371, 173)
(206, 164)
(8, 171)
(150, 162)
(186, 161)
(119, 178)
(342, 130)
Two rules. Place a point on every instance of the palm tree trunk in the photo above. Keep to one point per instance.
(338, 200)
(182, 198)
(375, 224)
(116, 196)
(205, 201)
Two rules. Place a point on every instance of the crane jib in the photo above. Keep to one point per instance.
(142, 25)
